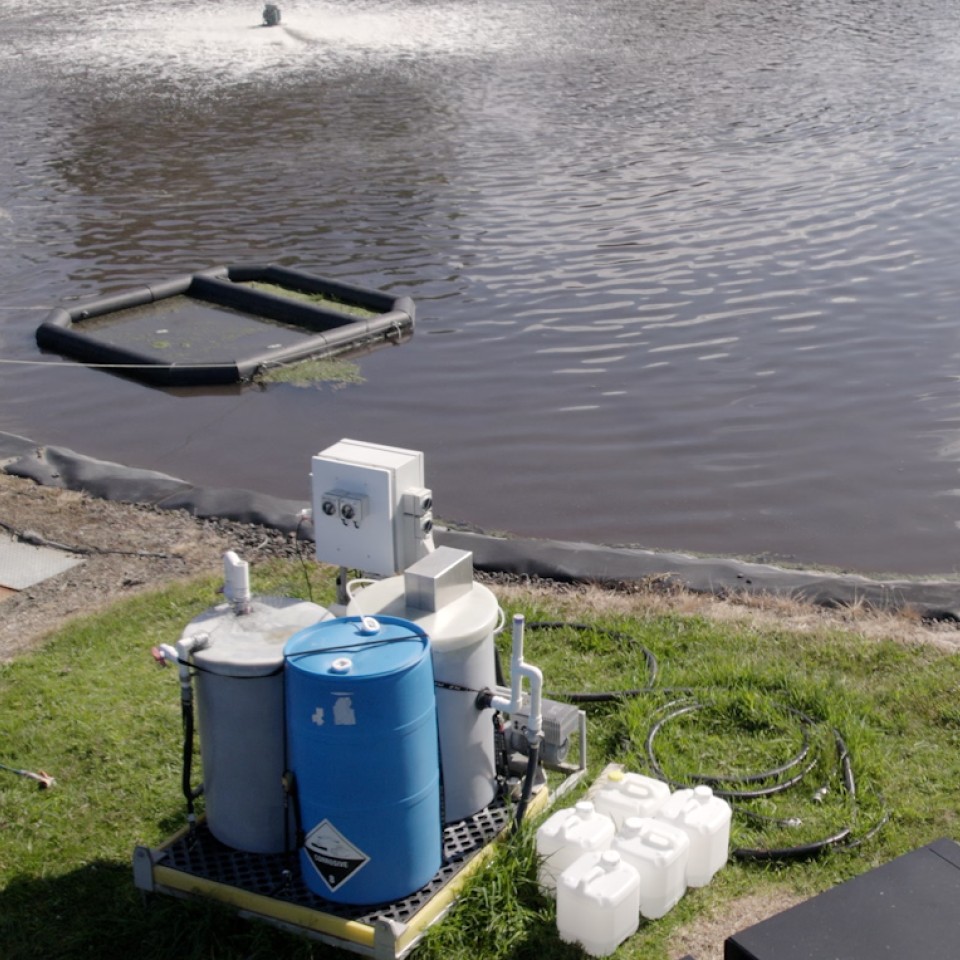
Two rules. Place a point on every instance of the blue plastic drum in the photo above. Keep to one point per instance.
(362, 745)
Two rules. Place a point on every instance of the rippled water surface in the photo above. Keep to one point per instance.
(686, 274)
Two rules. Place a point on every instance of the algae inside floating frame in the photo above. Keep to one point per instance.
(320, 299)
(307, 372)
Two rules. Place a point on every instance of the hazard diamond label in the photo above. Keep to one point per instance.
(335, 858)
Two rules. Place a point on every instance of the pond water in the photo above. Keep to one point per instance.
(685, 274)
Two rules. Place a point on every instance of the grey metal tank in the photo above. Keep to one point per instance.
(236, 651)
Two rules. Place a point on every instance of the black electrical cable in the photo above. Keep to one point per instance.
(297, 543)
(292, 790)
(798, 851)
(533, 761)
(196, 668)
(715, 781)
(360, 645)
(186, 712)
(798, 766)
(618, 635)
(803, 851)
(190, 793)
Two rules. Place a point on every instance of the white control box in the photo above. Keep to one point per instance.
(371, 511)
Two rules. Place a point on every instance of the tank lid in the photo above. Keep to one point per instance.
(357, 647)
(251, 644)
(461, 622)
(610, 860)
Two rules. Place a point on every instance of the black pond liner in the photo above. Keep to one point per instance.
(930, 599)
(330, 331)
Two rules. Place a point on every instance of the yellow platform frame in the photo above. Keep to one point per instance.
(192, 864)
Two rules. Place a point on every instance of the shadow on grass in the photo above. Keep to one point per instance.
(96, 911)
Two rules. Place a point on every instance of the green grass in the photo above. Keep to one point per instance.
(317, 299)
(312, 371)
(92, 709)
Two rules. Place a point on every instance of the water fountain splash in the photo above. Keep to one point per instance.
(158, 41)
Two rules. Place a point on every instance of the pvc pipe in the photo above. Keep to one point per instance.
(519, 669)
(180, 655)
(236, 582)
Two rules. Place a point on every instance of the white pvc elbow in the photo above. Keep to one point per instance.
(519, 669)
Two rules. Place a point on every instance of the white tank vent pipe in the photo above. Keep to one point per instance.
(236, 582)
(519, 669)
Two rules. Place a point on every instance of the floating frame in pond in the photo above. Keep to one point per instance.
(312, 317)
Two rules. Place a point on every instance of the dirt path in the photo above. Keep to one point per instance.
(125, 548)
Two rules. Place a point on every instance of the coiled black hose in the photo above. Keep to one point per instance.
(784, 776)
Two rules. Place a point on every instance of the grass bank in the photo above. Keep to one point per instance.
(723, 699)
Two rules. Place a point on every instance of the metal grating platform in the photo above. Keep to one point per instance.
(268, 886)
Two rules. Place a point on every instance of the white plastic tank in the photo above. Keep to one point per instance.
(620, 794)
(240, 714)
(439, 595)
(705, 819)
(598, 902)
(658, 852)
(566, 836)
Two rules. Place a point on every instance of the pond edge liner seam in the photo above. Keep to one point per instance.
(932, 600)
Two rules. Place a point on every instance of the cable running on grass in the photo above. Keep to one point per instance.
(772, 782)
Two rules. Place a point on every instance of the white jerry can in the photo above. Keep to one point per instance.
(598, 902)
(621, 795)
(567, 835)
(706, 821)
(658, 852)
